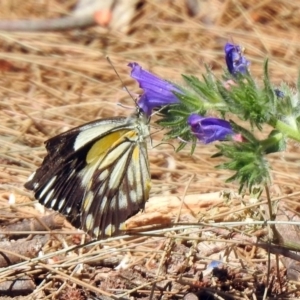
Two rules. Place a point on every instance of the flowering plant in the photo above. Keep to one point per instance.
(184, 112)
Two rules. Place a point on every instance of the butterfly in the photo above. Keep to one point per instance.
(97, 174)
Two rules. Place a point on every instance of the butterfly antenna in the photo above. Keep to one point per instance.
(124, 86)
(158, 111)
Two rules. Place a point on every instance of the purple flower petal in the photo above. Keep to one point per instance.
(157, 92)
(236, 62)
(208, 129)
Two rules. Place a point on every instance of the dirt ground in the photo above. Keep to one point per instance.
(53, 81)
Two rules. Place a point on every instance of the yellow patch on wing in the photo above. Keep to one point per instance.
(131, 134)
(100, 147)
(87, 202)
(136, 154)
(110, 229)
(89, 222)
(147, 188)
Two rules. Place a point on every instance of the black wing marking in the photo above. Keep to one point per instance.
(67, 183)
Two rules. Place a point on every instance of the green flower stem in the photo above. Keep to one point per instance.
(287, 130)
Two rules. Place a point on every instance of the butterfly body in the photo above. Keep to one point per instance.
(96, 174)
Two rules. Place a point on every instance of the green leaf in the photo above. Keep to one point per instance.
(247, 161)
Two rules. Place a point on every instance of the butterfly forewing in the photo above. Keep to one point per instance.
(96, 174)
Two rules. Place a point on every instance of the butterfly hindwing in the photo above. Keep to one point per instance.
(117, 186)
(96, 174)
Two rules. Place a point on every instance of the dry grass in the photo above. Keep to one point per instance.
(51, 82)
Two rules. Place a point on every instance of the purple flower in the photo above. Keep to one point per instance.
(157, 92)
(208, 129)
(236, 62)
